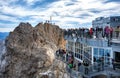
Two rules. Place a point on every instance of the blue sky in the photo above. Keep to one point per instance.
(65, 13)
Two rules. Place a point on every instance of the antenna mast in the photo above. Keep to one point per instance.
(51, 19)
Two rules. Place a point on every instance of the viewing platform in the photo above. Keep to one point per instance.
(89, 71)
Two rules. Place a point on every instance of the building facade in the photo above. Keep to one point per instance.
(97, 54)
(90, 50)
(101, 22)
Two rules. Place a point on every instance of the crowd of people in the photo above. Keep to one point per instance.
(68, 57)
(97, 32)
(61, 53)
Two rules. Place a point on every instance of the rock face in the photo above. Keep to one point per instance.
(30, 52)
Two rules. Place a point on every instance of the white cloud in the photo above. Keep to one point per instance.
(7, 2)
(8, 18)
(31, 2)
(6, 29)
(17, 11)
(62, 13)
(7, 25)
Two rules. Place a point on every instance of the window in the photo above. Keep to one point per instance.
(95, 59)
(95, 51)
(75, 54)
(80, 51)
(107, 52)
(101, 52)
(81, 57)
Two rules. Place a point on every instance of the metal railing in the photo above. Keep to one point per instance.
(98, 35)
(73, 73)
(98, 68)
(91, 70)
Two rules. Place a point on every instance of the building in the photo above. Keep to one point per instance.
(98, 54)
(101, 22)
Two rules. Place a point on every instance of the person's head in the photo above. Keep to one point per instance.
(118, 26)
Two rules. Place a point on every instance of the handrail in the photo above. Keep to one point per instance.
(88, 71)
(93, 35)
(73, 73)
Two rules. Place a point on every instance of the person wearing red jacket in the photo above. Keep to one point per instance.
(91, 32)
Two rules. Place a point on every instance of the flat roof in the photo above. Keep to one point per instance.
(115, 41)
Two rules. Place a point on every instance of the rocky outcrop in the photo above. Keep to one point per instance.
(30, 52)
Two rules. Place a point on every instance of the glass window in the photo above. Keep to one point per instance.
(81, 57)
(90, 49)
(75, 54)
(82, 46)
(107, 52)
(75, 50)
(80, 51)
(79, 45)
(101, 52)
(107, 60)
(95, 51)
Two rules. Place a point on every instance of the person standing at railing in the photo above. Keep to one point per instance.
(113, 63)
(102, 62)
(91, 32)
(63, 54)
(57, 53)
(111, 32)
(103, 32)
(117, 30)
(65, 32)
(96, 32)
(86, 64)
(79, 64)
(66, 57)
(98, 64)
(107, 31)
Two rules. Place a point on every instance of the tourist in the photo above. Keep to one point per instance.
(113, 63)
(63, 54)
(70, 65)
(67, 57)
(91, 32)
(57, 53)
(107, 32)
(99, 64)
(96, 32)
(117, 30)
(74, 67)
(111, 33)
(86, 64)
(102, 62)
(79, 64)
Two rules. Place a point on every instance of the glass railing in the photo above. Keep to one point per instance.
(98, 35)
(99, 68)
(91, 70)
(73, 73)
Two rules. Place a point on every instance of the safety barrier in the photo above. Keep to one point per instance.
(91, 70)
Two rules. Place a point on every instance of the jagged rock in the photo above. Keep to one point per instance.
(30, 51)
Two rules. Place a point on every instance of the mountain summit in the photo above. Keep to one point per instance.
(30, 52)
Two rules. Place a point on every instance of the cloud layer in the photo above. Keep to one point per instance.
(65, 13)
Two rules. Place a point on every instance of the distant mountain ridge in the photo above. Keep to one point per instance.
(3, 35)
